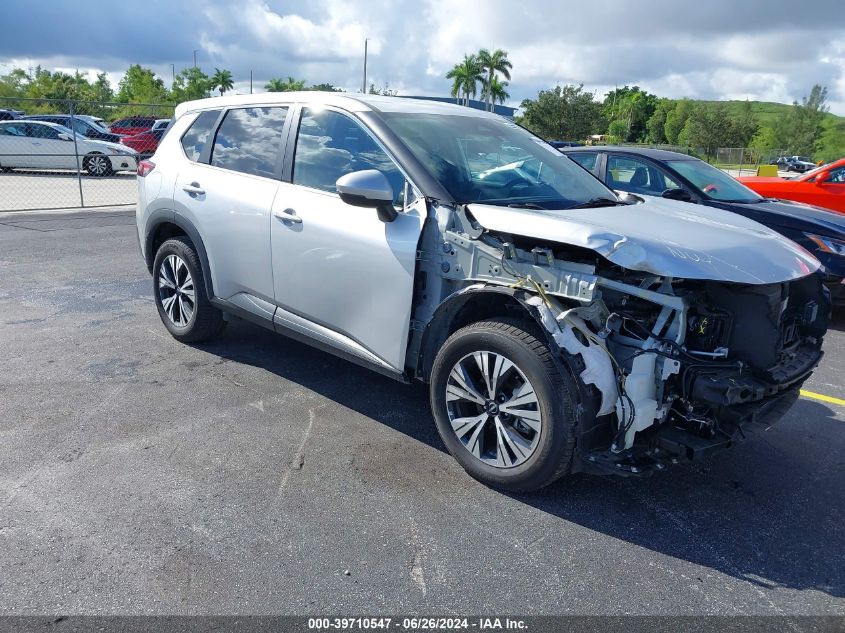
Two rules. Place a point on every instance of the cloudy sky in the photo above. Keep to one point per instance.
(771, 50)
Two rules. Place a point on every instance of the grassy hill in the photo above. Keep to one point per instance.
(767, 111)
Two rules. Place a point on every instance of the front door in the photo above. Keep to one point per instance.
(340, 274)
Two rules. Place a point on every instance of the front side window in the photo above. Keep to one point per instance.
(836, 176)
(43, 131)
(331, 144)
(490, 160)
(193, 141)
(249, 140)
(637, 176)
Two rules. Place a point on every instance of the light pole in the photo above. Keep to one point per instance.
(195, 58)
(364, 87)
(173, 71)
(250, 81)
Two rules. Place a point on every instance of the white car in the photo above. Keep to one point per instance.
(42, 145)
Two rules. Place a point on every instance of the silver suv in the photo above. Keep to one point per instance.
(560, 326)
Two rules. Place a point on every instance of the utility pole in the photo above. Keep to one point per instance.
(250, 81)
(173, 71)
(195, 58)
(364, 87)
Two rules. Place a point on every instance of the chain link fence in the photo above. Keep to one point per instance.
(737, 161)
(58, 154)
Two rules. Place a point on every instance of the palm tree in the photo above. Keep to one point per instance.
(495, 90)
(222, 79)
(465, 77)
(492, 63)
(284, 85)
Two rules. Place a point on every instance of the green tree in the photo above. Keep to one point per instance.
(633, 105)
(617, 130)
(101, 89)
(744, 126)
(325, 87)
(676, 119)
(800, 130)
(564, 112)
(385, 90)
(465, 78)
(492, 63)
(831, 142)
(496, 91)
(190, 84)
(285, 85)
(140, 85)
(656, 125)
(222, 80)
(708, 127)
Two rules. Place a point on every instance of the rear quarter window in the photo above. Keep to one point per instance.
(194, 139)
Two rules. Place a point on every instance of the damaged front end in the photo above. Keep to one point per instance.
(677, 365)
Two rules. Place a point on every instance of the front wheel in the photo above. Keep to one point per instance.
(98, 165)
(501, 406)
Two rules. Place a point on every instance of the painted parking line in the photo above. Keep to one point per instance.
(820, 396)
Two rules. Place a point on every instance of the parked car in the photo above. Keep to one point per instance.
(8, 115)
(653, 172)
(161, 124)
(823, 186)
(83, 126)
(42, 145)
(132, 125)
(562, 144)
(144, 143)
(794, 163)
(559, 329)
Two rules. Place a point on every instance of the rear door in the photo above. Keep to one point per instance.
(341, 275)
(15, 145)
(225, 187)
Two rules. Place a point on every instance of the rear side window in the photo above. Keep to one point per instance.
(587, 160)
(193, 141)
(249, 140)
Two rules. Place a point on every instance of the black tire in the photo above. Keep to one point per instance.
(205, 321)
(5, 170)
(97, 165)
(556, 402)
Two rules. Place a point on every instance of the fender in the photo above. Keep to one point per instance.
(168, 216)
(593, 430)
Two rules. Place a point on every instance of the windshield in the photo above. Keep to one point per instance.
(494, 161)
(813, 172)
(713, 183)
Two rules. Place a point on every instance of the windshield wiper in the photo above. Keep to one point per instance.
(527, 205)
(597, 202)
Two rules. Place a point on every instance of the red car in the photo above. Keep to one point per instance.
(132, 125)
(144, 143)
(823, 186)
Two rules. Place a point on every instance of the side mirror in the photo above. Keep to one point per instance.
(681, 195)
(821, 177)
(368, 188)
(65, 137)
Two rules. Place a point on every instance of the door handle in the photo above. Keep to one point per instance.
(288, 215)
(193, 189)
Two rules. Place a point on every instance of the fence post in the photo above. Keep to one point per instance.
(76, 154)
(741, 159)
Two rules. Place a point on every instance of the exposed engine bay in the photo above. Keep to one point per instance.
(674, 367)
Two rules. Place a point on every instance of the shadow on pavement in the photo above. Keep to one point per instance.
(771, 511)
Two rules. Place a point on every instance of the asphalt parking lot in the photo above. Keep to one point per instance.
(256, 475)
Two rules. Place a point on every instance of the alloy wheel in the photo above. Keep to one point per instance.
(493, 409)
(98, 165)
(176, 290)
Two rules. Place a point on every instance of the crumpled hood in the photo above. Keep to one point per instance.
(664, 237)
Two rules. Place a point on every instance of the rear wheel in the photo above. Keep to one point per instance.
(180, 295)
(501, 406)
(97, 165)
(5, 170)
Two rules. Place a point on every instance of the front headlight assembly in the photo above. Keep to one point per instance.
(828, 244)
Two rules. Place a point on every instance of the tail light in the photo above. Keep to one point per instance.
(145, 167)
